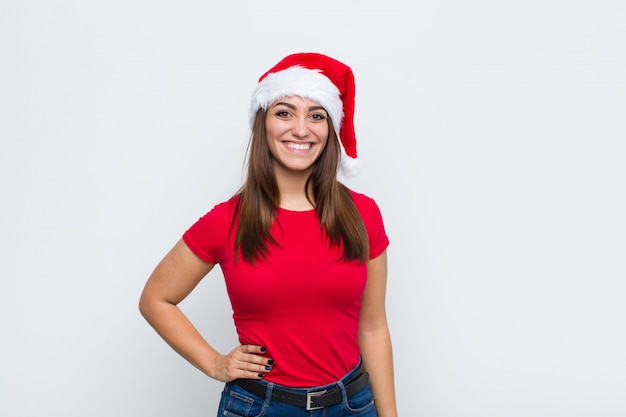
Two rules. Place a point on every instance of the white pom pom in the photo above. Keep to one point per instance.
(349, 167)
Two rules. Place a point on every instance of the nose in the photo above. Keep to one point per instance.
(300, 127)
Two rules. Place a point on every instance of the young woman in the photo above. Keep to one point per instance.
(303, 256)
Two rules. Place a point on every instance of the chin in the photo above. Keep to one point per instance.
(298, 167)
(301, 169)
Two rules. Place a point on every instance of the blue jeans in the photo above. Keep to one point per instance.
(237, 402)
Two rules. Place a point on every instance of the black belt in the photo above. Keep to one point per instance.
(309, 400)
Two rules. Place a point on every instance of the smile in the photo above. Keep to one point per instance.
(299, 146)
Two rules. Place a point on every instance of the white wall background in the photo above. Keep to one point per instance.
(493, 139)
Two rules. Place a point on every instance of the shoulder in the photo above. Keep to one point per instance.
(363, 202)
(225, 208)
(219, 217)
(208, 236)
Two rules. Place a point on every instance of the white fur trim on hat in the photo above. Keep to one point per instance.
(302, 82)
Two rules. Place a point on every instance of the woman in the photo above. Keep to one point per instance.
(304, 259)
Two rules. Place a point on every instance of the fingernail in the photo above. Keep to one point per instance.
(263, 349)
(268, 368)
(270, 362)
(260, 375)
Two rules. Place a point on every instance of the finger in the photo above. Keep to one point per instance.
(254, 355)
(259, 350)
(244, 369)
(233, 366)
(253, 375)
(254, 370)
(255, 363)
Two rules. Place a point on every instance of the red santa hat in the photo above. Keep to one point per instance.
(321, 79)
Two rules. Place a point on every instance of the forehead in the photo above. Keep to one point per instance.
(297, 101)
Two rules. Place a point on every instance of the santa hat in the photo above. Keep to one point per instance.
(321, 79)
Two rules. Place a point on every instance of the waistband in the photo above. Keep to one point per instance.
(312, 398)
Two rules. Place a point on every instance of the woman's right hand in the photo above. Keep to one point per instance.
(245, 361)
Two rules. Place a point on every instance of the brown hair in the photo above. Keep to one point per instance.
(260, 197)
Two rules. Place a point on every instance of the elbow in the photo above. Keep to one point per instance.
(151, 305)
(144, 305)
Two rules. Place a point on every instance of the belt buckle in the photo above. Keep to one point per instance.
(309, 399)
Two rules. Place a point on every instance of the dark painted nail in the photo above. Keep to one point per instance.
(263, 349)
(270, 362)
(268, 368)
(260, 375)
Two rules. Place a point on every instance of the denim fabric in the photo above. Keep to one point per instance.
(237, 402)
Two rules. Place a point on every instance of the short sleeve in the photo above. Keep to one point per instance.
(372, 217)
(208, 237)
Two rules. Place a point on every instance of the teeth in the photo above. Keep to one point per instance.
(298, 146)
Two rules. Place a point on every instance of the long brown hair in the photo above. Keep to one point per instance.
(259, 199)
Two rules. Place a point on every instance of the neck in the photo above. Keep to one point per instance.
(291, 186)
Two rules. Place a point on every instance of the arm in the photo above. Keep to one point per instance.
(172, 280)
(374, 339)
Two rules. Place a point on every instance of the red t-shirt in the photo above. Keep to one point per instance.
(302, 303)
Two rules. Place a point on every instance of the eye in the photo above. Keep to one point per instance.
(282, 113)
(318, 116)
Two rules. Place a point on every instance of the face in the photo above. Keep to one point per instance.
(297, 132)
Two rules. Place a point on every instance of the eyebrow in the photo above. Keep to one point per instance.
(292, 107)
